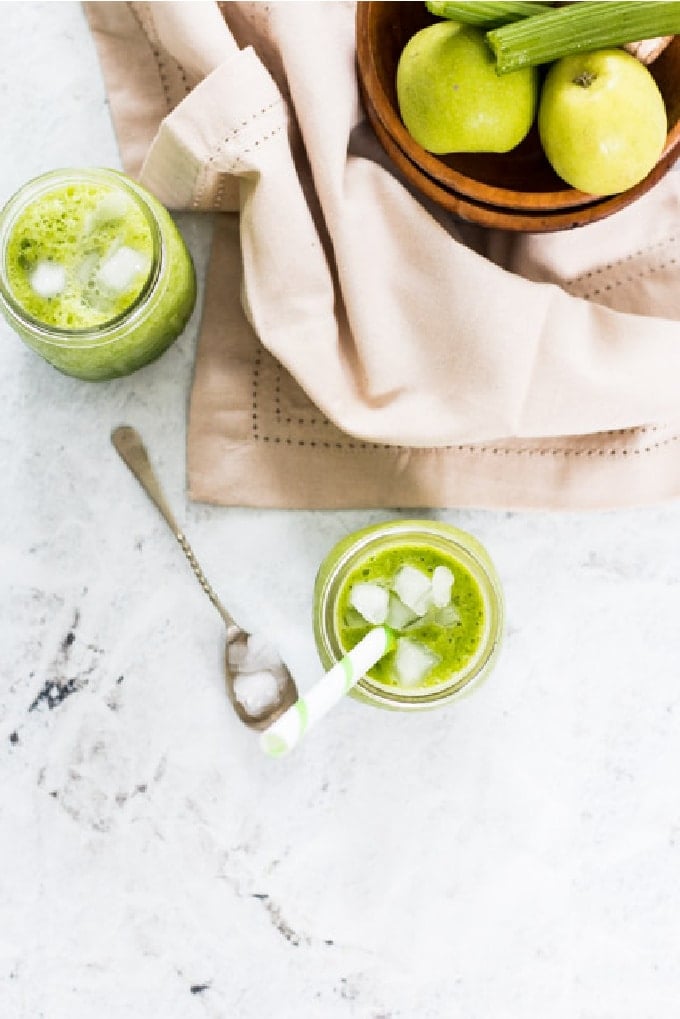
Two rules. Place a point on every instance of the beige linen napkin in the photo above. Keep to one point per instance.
(358, 346)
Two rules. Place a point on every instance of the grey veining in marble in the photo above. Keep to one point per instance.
(514, 857)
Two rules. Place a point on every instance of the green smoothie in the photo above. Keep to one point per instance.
(435, 587)
(95, 275)
(452, 637)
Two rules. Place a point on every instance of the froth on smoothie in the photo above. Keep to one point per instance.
(79, 256)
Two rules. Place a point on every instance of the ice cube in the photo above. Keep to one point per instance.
(112, 207)
(48, 278)
(371, 600)
(414, 588)
(398, 614)
(412, 662)
(236, 653)
(259, 654)
(118, 270)
(256, 691)
(442, 582)
(448, 615)
(86, 268)
(354, 620)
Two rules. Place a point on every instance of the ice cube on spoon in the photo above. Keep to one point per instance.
(258, 653)
(257, 692)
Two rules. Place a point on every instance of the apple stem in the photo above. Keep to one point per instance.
(584, 79)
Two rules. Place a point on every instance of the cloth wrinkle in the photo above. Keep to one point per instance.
(143, 16)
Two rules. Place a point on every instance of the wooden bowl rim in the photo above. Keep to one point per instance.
(482, 213)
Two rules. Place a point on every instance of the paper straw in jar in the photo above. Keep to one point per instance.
(286, 732)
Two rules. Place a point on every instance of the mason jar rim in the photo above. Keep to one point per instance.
(464, 547)
(98, 335)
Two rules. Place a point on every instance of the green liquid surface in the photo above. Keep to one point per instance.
(74, 232)
(455, 645)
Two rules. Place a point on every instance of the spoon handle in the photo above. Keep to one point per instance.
(129, 446)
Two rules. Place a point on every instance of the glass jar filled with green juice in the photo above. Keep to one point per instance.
(94, 274)
(435, 586)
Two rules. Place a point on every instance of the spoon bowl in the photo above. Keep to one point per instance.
(234, 657)
(240, 667)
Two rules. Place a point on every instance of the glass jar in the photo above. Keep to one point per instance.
(127, 280)
(348, 557)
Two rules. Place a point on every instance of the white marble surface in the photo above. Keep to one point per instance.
(514, 857)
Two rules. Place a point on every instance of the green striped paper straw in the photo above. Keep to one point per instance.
(286, 731)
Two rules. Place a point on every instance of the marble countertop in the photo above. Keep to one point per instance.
(512, 857)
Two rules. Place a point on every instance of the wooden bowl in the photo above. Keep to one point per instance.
(519, 186)
(467, 208)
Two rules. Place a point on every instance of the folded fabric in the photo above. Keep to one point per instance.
(358, 346)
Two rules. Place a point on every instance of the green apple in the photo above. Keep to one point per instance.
(602, 121)
(452, 100)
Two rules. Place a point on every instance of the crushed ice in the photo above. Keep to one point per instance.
(413, 599)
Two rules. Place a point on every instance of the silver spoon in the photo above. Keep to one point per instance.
(130, 448)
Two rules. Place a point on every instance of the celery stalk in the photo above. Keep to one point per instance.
(485, 15)
(584, 26)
